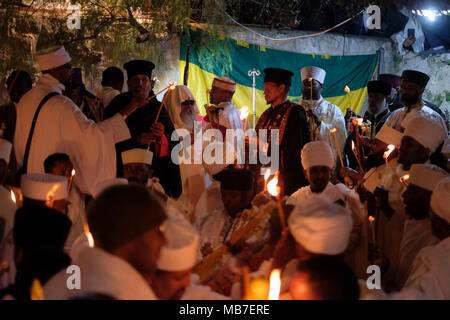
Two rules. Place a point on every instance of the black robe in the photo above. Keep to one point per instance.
(295, 133)
(141, 121)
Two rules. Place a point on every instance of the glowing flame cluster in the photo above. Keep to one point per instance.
(244, 113)
(333, 130)
(388, 151)
(267, 175)
(404, 179)
(273, 187)
(347, 89)
(172, 85)
(275, 285)
(371, 219)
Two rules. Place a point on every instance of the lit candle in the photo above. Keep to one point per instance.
(266, 178)
(70, 183)
(372, 228)
(311, 122)
(357, 157)
(274, 190)
(275, 285)
(333, 132)
(244, 115)
(347, 89)
(168, 86)
(13, 197)
(404, 180)
(386, 154)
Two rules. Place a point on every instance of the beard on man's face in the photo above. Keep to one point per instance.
(410, 100)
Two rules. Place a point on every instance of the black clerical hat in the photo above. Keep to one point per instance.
(235, 179)
(417, 77)
(379, 87)
(134, 67)
(392, 79)
(279, 76)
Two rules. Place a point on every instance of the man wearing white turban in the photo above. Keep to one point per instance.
(62, 128)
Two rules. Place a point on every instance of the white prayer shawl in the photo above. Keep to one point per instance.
(356, 253)
(417, 234)
(230, 116)
(331, 117)
(108, 93)
(395, 119)
(196, 291)
(104, 273)
(401, 36)
(7, 212)
(63, 128)
(209, 201)
(430, 271)
(76, 215)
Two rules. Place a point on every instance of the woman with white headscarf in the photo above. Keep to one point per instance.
(183, 112)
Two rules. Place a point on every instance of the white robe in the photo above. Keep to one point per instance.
(331, 117)
(430, 273)
(101, 272)
(77, 215)
(62, 127)
(396, 118)
(417, 234)
(230, 116)
(108, 93)
(209, 201)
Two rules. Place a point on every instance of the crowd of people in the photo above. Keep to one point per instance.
(94, 205)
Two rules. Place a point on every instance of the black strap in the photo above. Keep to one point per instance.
(33, 124)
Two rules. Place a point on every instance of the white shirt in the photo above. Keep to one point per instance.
(230, 116)
(103, 273)
(108, 93)
(330, 117)
(61, 127)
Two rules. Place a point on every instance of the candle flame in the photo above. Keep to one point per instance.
(333, 130)
(73, 172)
(172, 85)
(347, 89)
(267, 175)
(90, 239)
(404, 179)
(359, 121)
(310, 79)
(273, 187)
(13, 197)
(388, 151)
(371, 219)
(275, 285)
(353, 146)
(244, 113)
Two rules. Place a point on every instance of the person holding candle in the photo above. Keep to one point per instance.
(318, 161)
(126, 225)
(290, 121)
(417, 233)
(144, 131)
(412, 86)
(223, 112)
(323, 114)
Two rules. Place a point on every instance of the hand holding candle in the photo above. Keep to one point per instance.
(386, 154)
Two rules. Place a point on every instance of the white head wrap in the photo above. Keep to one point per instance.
(99, 187)
(137, 155)
(43, 186)
(426, 176)
(317, 153)
(426, 132)
(320, 226)
(181, 250)
(440, 199)
(53, 57)
(224, 83)
(313, 72)
(389, 136)
(5, 150)
(173, 106)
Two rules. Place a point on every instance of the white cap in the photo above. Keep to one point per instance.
(313, 72)
(320, 226)
(426, 176)
(137, 155)
(53, 57)
(440, 199)
(99, 187)
(426, 132)
(389, 136)
(5, 149)
(213, 165)
(224, 83)
(317, 153)
(446, 147)
(181, 250)
(43, 186)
